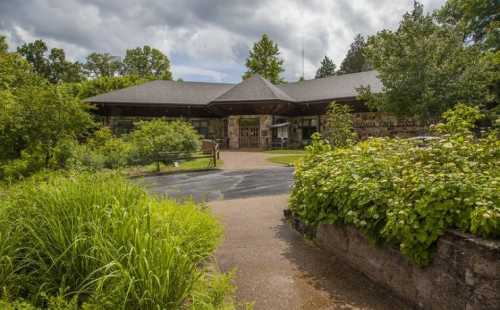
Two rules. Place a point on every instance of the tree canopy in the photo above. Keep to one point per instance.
(264, 59)
(355, 60)
(326, 69)
(425, 68)
(102, 65)
(152, 139)
(52, 66)
(478, 19)
(37, 119)
(147, 62)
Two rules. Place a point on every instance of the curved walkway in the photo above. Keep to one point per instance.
(237, 160)
(275, 267)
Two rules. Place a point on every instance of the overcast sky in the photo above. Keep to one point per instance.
(206, 40)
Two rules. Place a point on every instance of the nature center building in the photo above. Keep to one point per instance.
(251, 114)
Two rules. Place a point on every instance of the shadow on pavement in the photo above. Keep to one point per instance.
(346, 286)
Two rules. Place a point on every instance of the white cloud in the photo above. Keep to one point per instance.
(206, 40)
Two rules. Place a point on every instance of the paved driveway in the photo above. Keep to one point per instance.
(223, 184)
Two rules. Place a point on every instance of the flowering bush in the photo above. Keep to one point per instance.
(404, 192)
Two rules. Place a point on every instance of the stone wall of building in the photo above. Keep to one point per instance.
(233, 131)
(265, 131)
(464, 274)
(379, 124)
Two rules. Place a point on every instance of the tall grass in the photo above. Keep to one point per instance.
(100, 240)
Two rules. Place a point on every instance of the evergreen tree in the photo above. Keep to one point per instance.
(355, 60)
(327, 68)
(264, 59)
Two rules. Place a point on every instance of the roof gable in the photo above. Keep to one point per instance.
(255, 88)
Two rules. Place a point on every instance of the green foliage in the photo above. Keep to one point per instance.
(94, 87)
(326, 69)
(355, 60)
(54, 67)
(102, 150)
(425, 68)
(459, 120)
(264, 59)
(478, 19)
(38, 120)
(339, 128)
(402, 192)
(147, 62)
(102, 65)
(152, 140)
(15, 72)
(97, 241)
(3, 45)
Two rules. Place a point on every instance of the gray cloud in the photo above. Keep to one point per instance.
(206, 40)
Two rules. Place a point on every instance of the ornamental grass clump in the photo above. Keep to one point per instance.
(405, 192)
(100, 241)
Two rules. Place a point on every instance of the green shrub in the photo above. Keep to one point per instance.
(402, 192)
(339, 127)
(102, 150)
(102, 241)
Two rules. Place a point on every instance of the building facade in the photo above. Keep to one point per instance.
(252, 114)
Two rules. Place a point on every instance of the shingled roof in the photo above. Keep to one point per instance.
(253, 89)
(165, 92)
(334, 87)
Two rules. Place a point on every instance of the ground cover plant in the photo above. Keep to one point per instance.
(99, 242)
(406, 192)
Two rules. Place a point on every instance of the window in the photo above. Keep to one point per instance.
(201, 126)
(309, 126)
(282, 132)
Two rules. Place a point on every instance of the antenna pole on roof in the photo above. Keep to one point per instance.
(302, 38)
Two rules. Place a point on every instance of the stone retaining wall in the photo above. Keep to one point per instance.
(464, 274)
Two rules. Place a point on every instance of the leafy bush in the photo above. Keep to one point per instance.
(340, 131)
(402, 192)
(39, 122)
(152, 140)
(102, 150)
(101, 241)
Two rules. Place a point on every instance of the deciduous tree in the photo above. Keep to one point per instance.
(478, 19)
(264, 59)
(152, 139)
(102, 65)
(53, 66)
(425, 68)
(147, 62)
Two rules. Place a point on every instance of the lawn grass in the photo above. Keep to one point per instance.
(188, 165)
(286, 160)
(285, 151)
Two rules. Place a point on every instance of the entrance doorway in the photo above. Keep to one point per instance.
(249, 133)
